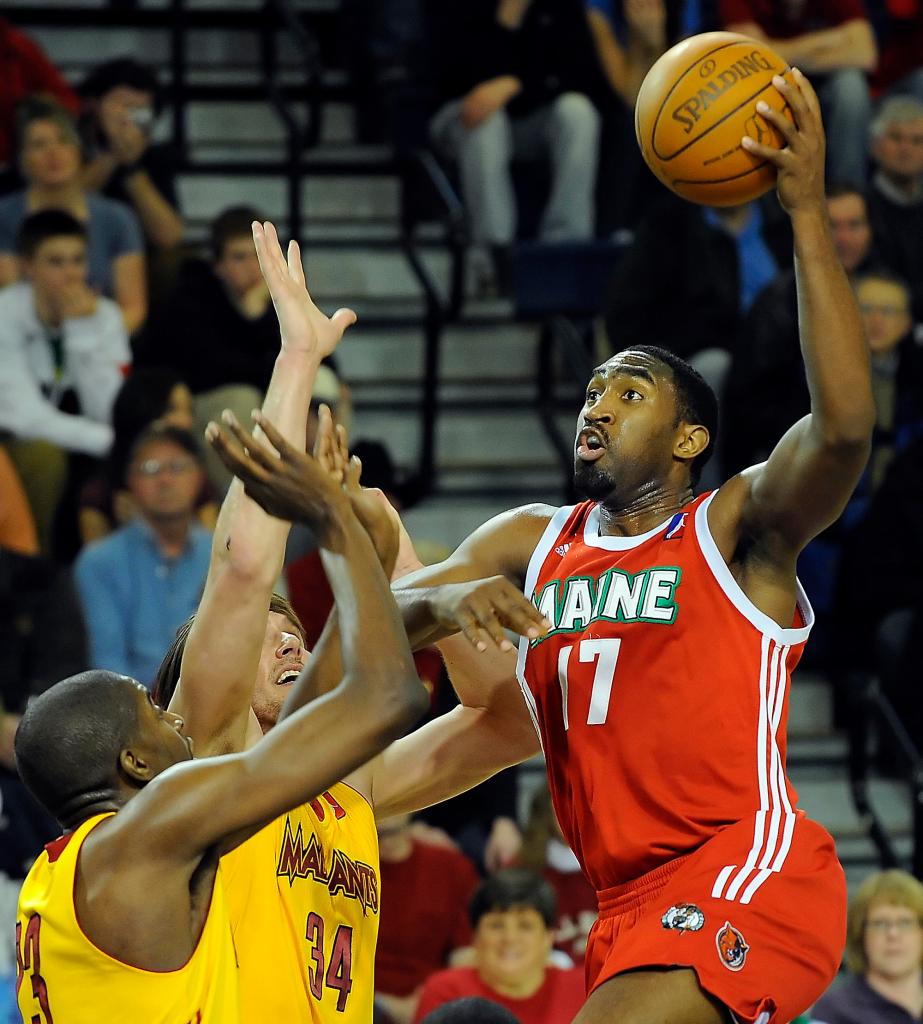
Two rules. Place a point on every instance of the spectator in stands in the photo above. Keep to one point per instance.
(49, 159)
(217, 329)
(897, 369)
(545, 852)
(140, 584)
(513, 914)
(900, 60)
(833, 43)
(122, 100)
(884, 952)
(26, 71)
(425, 889)
(895, 198)
(63, 352)
(470, 1011)
(766, 390)
(515, 78)
(148, 397)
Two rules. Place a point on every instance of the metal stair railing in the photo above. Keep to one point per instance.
(871, 710)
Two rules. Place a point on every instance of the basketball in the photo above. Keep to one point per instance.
(696, 103)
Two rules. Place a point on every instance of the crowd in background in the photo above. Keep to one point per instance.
(119, 341)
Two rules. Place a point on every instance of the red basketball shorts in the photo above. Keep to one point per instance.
(764, 933)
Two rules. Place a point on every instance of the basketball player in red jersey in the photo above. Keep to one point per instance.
(660, 690)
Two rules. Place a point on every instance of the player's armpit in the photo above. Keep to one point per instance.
(448, 756)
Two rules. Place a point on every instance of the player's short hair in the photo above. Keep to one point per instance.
(234, 222)
(896, 110)
(470, 1010)
(514, 889)
(168, 673)
(696, 402)
(36, 108)
(122, 71)
(37, 228)
(893, 888)
(69, 740)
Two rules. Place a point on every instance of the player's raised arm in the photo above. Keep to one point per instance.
(220, 800)
(221, 656)
(808, 478)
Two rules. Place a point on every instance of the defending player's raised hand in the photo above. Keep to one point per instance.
(482, 609)
(303, 326)
(371, 505)
(800, 165)
(283, 481)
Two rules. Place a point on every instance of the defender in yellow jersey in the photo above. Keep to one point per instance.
(230, 670)
(125, 916)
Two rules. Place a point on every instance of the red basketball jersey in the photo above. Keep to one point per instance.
(661, 698)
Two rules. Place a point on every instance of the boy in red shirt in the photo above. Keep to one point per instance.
(513, 915)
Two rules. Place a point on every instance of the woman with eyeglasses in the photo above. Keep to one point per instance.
(884, 953)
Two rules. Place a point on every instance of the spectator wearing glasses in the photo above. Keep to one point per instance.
(140, 583)
(884, 952)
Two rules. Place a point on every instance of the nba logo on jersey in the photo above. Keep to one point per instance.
(731, 947)
(562, 549)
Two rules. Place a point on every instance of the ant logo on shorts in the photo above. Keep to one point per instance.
(732, 948)
(683, 917)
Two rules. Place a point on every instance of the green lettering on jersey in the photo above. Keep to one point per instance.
(573, 604)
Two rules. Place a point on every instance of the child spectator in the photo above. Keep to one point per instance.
(63, 352)
(513, 914)
(140, 584)
(49, 161)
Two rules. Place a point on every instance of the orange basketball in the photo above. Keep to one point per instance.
(695, 105)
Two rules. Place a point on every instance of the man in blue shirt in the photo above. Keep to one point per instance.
(143, 581)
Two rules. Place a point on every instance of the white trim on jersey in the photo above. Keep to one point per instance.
(769, 849)
(545, 544)
(767, 626)
(592, 538)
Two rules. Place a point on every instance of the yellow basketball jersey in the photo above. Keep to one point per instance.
(303, 901)
(62, 976)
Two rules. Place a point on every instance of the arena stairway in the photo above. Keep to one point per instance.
(491, 451)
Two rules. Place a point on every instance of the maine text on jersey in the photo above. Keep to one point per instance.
(354, 879)
(572, 604)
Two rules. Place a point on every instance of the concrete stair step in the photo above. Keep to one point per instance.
(810, 705)
(830, 803)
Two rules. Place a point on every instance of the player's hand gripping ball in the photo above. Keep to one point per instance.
(696, 104)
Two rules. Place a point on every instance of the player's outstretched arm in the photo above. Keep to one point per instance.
(221, 800)
(221, 656)
(477, 590)
(808, 478)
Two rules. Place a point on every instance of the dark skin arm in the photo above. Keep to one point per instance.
(167, 837)
(763, 518)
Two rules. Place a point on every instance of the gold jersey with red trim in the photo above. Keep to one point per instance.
(660, 696)
(303, 902)
(62, 976)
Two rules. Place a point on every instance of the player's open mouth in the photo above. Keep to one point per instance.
(287, 678)
(590, 446)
